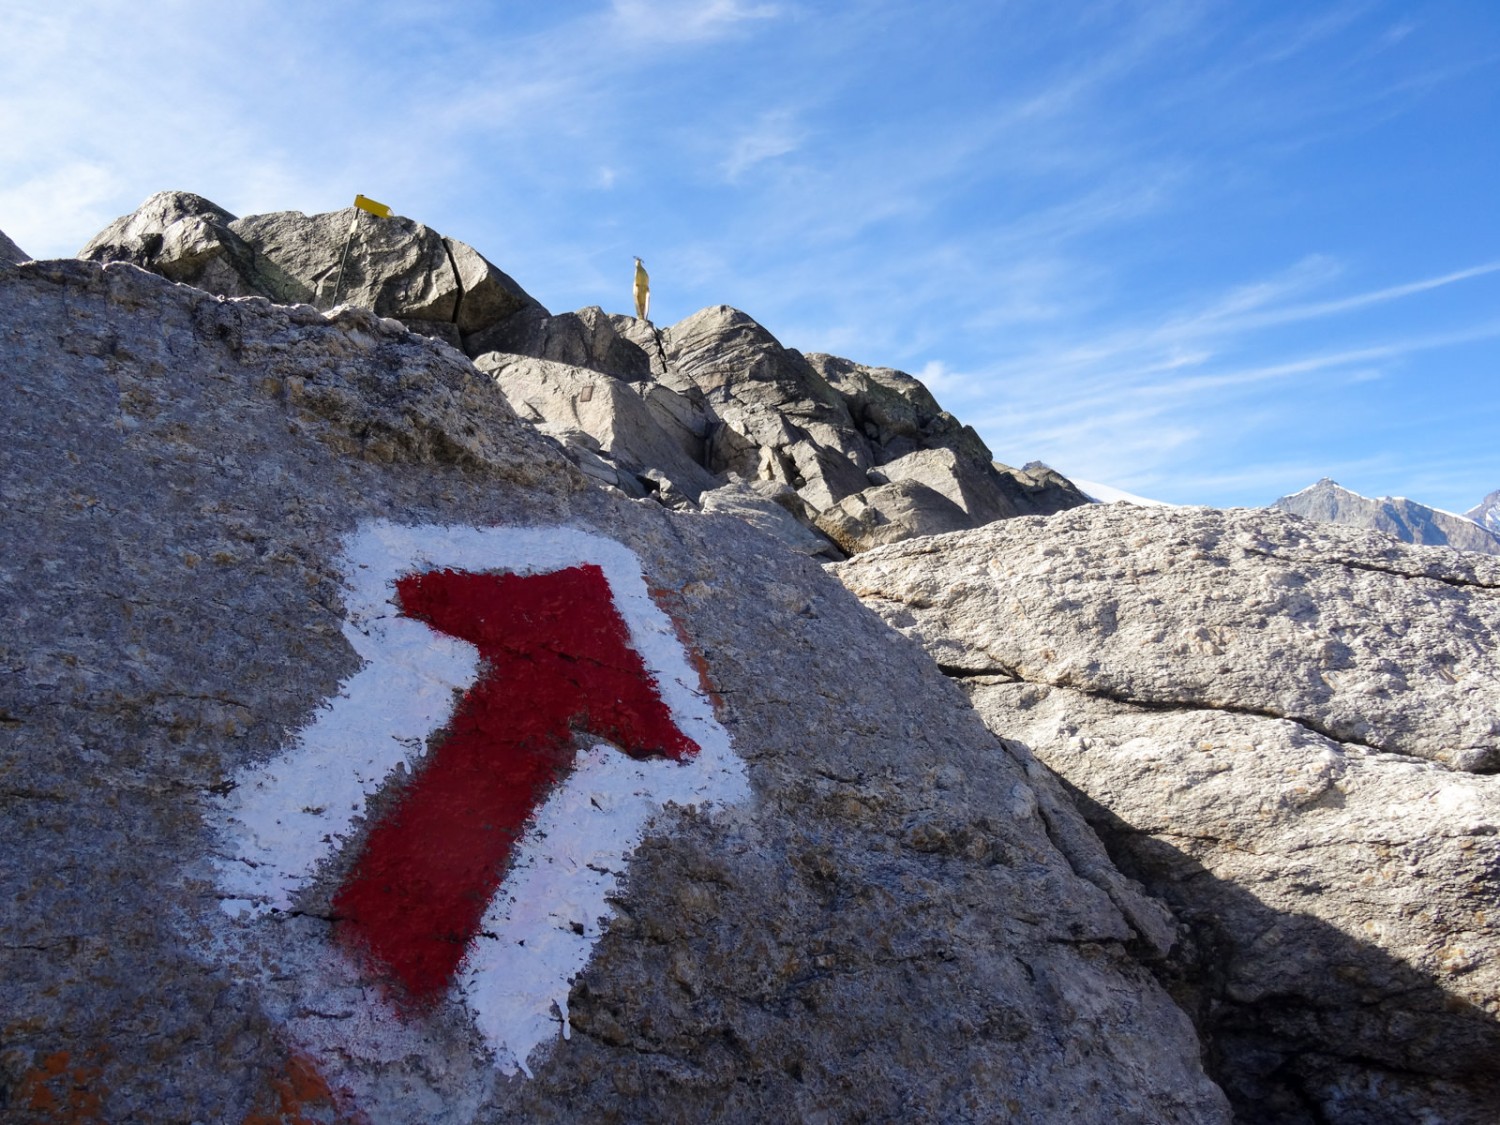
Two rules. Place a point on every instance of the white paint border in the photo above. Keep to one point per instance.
(286, 817)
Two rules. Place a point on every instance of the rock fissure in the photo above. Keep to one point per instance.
(997, 671)
(458, 282)
(1125, 699)
(1352, 564)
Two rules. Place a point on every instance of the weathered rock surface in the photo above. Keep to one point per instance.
(1266, 720)
(10, 252)
(869, 451)
(882, 929)
(608, 410)
(1355, 637)
(717, 387)
(772, 508)
(1407, 520)
(615, 345)
(395, 266)
(889, 513)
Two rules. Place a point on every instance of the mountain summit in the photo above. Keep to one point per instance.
(1487, 513)
(1395, 515)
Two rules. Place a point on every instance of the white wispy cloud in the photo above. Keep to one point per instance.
(775, 134)
(684, 21)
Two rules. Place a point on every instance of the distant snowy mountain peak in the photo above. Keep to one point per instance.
(1486, 513)
(1407, 520)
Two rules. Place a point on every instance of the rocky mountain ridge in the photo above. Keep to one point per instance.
(1407, 520)
(1487, 513)
(831, 455)
(10, 252)
(1290, 733)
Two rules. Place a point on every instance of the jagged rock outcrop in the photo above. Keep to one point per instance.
(610, 414)
(1273, 725)
(217, 514)
(868, 450)
(1407, 520)
(1487, 513)
(395, 266)
(725, 403)
(10, 252)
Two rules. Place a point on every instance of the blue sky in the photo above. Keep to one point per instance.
(1204, 251)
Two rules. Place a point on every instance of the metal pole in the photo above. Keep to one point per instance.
(339, 284)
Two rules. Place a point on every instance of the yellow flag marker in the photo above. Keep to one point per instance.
(361, 203)
(372, 207)
(642, 292)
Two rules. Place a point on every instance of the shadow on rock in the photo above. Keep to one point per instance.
(1300, 1021)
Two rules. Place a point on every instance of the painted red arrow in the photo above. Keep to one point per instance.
(556, 658)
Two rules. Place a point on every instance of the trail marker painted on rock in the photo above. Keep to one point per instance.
(485, 882)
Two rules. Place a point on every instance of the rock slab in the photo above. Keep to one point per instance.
(1286, 730)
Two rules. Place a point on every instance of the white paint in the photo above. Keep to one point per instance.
(288, 816)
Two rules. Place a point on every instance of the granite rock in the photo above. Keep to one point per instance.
(880, 927)
(1350, 634)
(1273, 725)
(722, 389)
(394, 266)
(609, 410)
(773, 509)
(889, 513)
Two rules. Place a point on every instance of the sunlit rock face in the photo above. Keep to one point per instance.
(712, 403)
(394, 266)
(1287, 730)
(797, 879)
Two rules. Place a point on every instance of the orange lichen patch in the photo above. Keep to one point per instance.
(301, 1097)
(670, 603)
(55, 1090)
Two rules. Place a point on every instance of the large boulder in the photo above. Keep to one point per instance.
(868, 451)
(1354, 636)
(394, 266)
(245, 545)
(970, 485)
(1486, 513)
(184, 237)
(589, 338)
(1275, 725)
(894, 411)
(773, 509)
(609, 410)
(889, 513)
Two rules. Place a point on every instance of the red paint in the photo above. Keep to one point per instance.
(556, 658)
